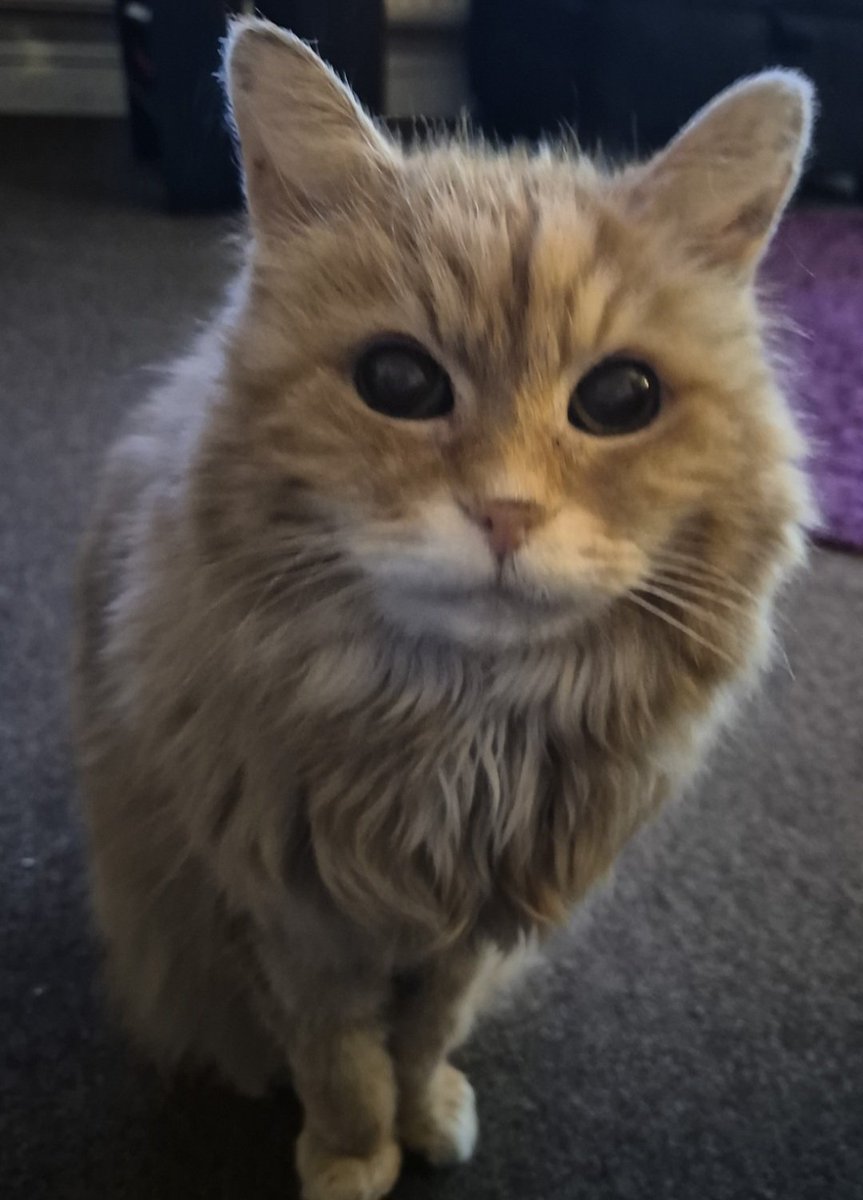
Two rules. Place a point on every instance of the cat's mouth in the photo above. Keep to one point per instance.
(496, 613)
(498, 594)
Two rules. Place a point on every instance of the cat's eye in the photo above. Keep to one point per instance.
(396, 377)
(618, 395)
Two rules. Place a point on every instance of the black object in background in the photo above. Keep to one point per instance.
(628, 73)
(171, 54)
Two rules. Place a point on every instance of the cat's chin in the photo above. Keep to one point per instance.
(482, 617)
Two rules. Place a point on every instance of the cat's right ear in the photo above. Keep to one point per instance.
(305, 141)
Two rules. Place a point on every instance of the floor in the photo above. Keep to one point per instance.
(696, 1035)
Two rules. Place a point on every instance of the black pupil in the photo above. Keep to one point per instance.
(403, 381)
(617, 396)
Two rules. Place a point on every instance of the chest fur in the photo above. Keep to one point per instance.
(491, 821)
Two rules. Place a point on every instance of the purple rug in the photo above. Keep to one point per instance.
(816, 272)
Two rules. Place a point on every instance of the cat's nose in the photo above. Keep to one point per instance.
(507, 524)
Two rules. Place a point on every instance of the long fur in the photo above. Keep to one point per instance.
(301, 793)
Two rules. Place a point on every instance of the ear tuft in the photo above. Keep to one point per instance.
(305, 141)
(727, 176)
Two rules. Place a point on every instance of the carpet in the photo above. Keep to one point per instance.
(816, 274)
(697, 1034)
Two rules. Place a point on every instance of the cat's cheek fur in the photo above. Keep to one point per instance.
(574, 556)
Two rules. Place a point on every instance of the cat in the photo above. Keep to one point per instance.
(422, 582)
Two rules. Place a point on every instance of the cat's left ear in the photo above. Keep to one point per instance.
(305, 141)
(727, 176)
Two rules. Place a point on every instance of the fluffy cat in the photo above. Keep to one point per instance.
(421, 583)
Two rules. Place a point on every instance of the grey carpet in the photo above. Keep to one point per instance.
(698, 1036)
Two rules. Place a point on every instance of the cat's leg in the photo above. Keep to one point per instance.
(323, 991)
(344, 1075)
(435, 1009)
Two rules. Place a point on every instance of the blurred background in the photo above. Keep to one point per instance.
(624, 73)
(698, 1034)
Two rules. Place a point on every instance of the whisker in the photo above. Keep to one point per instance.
(640, 602)
(697, 610)
(786, 661)
(692, 553)
(697, 589)
(694, 568)
(698, 574)
(647, 588)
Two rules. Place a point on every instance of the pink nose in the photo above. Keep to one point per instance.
(507, 523)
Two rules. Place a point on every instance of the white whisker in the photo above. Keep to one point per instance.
(675, 583)
(697, 575)
(693, 567)
(640, 602)
(689, 606)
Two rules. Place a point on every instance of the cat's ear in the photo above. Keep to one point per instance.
(727, 176)
(305, 141)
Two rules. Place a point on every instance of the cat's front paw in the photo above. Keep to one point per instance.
(440, 1123)
(329, 1176)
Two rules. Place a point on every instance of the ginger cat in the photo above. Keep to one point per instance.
(422, 583)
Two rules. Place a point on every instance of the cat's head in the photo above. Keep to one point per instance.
(511, 389)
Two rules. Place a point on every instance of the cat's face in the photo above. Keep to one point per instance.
(511, 390)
